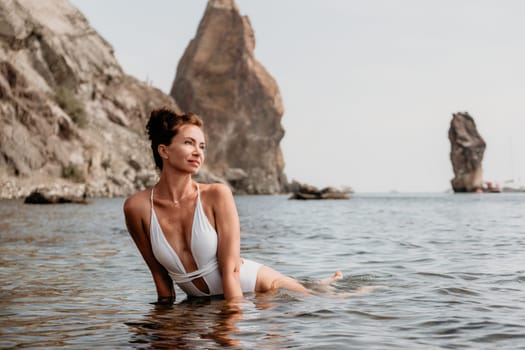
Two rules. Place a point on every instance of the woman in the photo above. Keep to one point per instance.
(189, 233)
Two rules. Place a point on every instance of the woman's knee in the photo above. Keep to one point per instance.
(267, 279)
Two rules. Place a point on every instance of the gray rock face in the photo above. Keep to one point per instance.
(69, 115)
(219, 78)
(466, 153)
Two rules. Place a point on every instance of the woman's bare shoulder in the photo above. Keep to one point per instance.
(215, 191)
(137, 203)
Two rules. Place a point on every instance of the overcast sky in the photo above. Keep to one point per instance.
(369, 87)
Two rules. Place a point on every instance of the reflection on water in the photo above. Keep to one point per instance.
(188, 323)
(204, 323)
(451, 268)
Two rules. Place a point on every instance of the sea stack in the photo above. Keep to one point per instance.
(219, 78)
(466, 153)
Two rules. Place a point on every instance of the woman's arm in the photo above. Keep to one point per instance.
(228, 230)
(134, 211)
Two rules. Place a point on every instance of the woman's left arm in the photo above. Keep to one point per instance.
(228, 230)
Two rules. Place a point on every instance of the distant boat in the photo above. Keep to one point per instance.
(513, 186)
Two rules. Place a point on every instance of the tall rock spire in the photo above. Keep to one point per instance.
(219, 78)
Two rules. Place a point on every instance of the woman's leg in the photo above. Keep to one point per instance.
(268, 279)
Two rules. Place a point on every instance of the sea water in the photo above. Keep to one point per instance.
(421, 271)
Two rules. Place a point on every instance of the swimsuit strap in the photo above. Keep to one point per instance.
(198, 191)
(151, 197)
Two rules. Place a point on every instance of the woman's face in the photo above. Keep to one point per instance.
(186, 151)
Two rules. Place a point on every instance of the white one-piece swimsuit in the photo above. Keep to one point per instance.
(204, 250)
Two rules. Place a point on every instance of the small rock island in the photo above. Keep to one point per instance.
(466, 153)
(304, 192)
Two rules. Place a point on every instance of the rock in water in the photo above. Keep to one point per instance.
(219, 78)
(305, 191)
(466, 153)
(49, 196)
(68, 113)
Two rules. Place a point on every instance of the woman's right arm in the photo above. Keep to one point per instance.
(135, 210)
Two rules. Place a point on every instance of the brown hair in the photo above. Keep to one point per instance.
(163, 125)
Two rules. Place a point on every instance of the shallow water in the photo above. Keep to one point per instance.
(450, 271)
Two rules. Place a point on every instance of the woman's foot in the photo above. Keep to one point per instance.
(328, 280)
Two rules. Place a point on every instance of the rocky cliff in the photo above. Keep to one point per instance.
(466, 153)
(219, 78)
(69, 116)
(73, 122)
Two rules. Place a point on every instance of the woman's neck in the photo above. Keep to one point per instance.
(174, 187)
